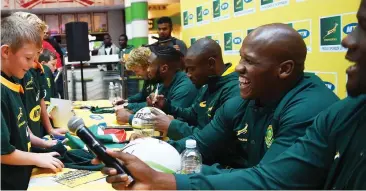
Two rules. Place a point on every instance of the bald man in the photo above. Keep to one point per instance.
(206, 69)
(278, 102)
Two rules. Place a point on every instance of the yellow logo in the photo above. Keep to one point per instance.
(337, 155)
(35, 113)
(203, 104)
(269, 136)
(29, 85)
(243, 132)
(19, 117)
(49, 82)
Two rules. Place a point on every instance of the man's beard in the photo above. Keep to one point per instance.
(157, 78)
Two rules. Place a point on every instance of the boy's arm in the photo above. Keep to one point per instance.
(38, 142)
(44, 117)
(43, 160)
(45, 120)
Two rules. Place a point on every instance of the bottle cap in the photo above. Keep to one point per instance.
(190, 144)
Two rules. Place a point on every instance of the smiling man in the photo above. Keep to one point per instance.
(272, 112)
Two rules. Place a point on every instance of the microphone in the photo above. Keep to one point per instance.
(77, 126)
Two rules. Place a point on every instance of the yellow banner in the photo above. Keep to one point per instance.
(321, 23)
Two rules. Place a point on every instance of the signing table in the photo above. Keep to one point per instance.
(71, 179)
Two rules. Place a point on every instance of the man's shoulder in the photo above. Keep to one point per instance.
(178, 41)
(345, 110)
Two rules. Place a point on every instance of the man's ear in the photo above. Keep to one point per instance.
(5, 51)
(286, 68)
(211, 63)
(164, 68)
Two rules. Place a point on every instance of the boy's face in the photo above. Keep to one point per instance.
(18, 63)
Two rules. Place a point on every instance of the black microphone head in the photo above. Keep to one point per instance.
(75, 123)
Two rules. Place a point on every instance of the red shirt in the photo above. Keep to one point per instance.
(48, 46)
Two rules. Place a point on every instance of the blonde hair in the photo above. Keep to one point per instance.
(138, 58)
(33, 20)
(15, 32)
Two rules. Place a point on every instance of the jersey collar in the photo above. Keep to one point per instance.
(15, 87)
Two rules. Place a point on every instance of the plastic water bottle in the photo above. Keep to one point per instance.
(191, 159)
(111, 93)
(117, 90)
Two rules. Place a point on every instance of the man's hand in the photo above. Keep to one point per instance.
(143, 175)
(58, 132)
(119, 102)
(122, 116)
(161, 121)
(158, 103)
(176, 47)
(48, 160)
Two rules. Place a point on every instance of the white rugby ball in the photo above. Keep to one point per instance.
(142, 118)
(158, 154)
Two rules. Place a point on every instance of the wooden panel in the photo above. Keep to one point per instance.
(100, 22)
(66, 18)
(53, 23)
(86, 17)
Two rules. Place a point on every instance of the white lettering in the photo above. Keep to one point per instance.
(349, 29)
(244, 12)
(275, 5)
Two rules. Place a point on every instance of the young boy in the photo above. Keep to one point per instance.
(33, 84)
(19, 45)
(48, 61)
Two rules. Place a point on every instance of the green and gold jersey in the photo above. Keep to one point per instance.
(33, 85)
(49, 85)
(14, 134)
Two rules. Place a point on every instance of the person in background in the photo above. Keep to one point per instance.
(50, 44)
(107, 48)
(123, 46)
(59, 81)
(20, 43)
(206, 68)
(164, 70)
(165, 28)
(48, 60)
(137, 62)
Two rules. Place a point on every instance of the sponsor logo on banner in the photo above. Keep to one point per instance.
(303, 27)
(333, 29)
(203, 13)
(349, 28)
(215, 37)
(271, 4)
(244, 7)
(232, 42)
(193, 40)
(221, 10)
(300, 1)
(330, 79)
(188, 19)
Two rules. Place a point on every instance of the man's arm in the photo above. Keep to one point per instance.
(183, 95)
(211, 138)
(182, 46)
(302, 166)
